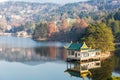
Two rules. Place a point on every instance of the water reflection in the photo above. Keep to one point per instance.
(105, 72)
(32, 54)
(78, 70)
(25, 59)
(102, 73)
(117, 61)
(51, 53)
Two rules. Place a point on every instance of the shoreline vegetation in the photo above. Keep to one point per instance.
(115, 78)
(96, 36)
(73, 29)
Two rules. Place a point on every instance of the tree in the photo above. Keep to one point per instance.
(64, 25)
(113, 21)
(40, 31)
(115, 27)
(52, 28)
(117, 15)
(117, 37)
(80, 25)
(99, 36)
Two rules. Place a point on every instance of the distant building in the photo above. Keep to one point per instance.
(22, 34)
(9, 27)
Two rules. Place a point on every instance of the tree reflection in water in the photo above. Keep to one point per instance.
(117, 61)
(105, 72)
(51, 53)
(43, 53)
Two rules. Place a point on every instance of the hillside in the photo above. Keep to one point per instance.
(15, 14)
(25, 11)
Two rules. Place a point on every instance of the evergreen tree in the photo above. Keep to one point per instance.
(117, 15)
(117, 37)
(40, 31)
(99, 36)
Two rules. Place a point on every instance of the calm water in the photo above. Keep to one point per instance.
(25, 59)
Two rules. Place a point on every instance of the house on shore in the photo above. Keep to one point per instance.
(81, 52)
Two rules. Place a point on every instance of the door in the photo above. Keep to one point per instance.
(75, 54)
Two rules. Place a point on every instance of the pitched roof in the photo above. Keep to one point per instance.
(74, 46)
(77, 46)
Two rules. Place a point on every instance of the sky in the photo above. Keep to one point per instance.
(51, 1)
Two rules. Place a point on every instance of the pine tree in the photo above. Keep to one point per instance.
(99, 36)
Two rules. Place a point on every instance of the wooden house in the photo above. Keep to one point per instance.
(81, 52)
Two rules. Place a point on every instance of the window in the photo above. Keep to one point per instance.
(97, 64)
(85, 54)
(68, 52)
(84, 67)
(97, 53)
(72, 52)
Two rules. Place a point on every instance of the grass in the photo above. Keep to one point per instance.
(115, 78)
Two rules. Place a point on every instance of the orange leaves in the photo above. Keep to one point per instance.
(80, 23)
(52, 28)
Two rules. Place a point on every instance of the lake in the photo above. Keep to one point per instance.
(26, 59)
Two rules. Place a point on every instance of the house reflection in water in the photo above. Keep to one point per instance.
(80, 59)
(75, 69)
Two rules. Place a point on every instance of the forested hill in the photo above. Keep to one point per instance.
(18, 12)
(23, 16)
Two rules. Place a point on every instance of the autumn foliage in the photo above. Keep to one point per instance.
(64, 25)
(61, 31)
(80, 23)
(52, 28)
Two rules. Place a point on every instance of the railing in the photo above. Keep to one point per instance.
(91, 65)
(84, 58)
